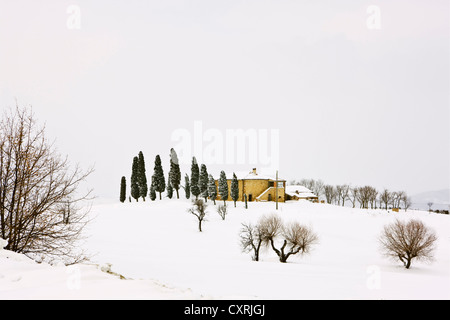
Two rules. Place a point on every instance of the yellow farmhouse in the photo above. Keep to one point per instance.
(257, 187)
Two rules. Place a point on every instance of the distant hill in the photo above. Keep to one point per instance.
(440, 199)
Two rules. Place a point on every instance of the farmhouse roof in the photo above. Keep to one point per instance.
(299, 191)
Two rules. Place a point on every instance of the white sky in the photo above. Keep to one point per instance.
(352, 105)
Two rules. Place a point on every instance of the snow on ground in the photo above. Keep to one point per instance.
(158, 248)
(22, 278)
(160, 240)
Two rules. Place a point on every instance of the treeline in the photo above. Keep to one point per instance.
(366, 197)
(198, 184)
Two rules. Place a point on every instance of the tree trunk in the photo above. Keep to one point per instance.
(256, 257)
(408, 263)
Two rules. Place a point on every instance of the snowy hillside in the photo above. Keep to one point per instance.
(22, 278)
(160, 240)
(157, 247)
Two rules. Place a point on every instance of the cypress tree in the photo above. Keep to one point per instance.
(152, 189)
(223, 186)
(174, 173)
(195, 174)
(123, 189)
(134, 179)
(142, 178)
(212, 189)
(187, 186)
(169, 189)
(160, 182)
(203, 182)
(234, 192)
(245, 199)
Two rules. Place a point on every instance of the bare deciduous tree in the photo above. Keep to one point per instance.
(408, 240)
(430, 204)
(330, 193)
(342, 193)
(385, 198)
(406, 201)
(295, 237)
(317, 187)
(251, 239)
(353, 195)
(307, 183)
(396, 198)
(373, 197)
(365, 196)
(222, 210)
(199, 210)
(39, 215)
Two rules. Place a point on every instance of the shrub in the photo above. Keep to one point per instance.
(407, 241)
(199, 210)
(222, 210)
(295, 238)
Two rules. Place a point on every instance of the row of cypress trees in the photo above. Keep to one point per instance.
(200, 182)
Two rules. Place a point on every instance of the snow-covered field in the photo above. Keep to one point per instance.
(158, 245)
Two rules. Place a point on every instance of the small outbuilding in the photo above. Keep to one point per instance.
(297, 192)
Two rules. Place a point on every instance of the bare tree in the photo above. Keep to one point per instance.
(408, 240)
(307, 183)
(353, 195)
(222, 210)
(385, 198)
(318, 187)
(430, 204)
(199, 210)
(396, 198)
(295, 237)
(39, 192)
(366, 195)
(342, 193)
(251, 239)
(330, 193)
(406, 201)
(373, 197)
(363, 196)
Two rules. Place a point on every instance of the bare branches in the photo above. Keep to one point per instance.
(35, 181)
(342, 193)
(385, 198)
(222, 210)
(199, 210)
(251, 238)
(408, 240)
(295, 237)
(330, 193)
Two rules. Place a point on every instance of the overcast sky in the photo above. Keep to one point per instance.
(357, 94)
